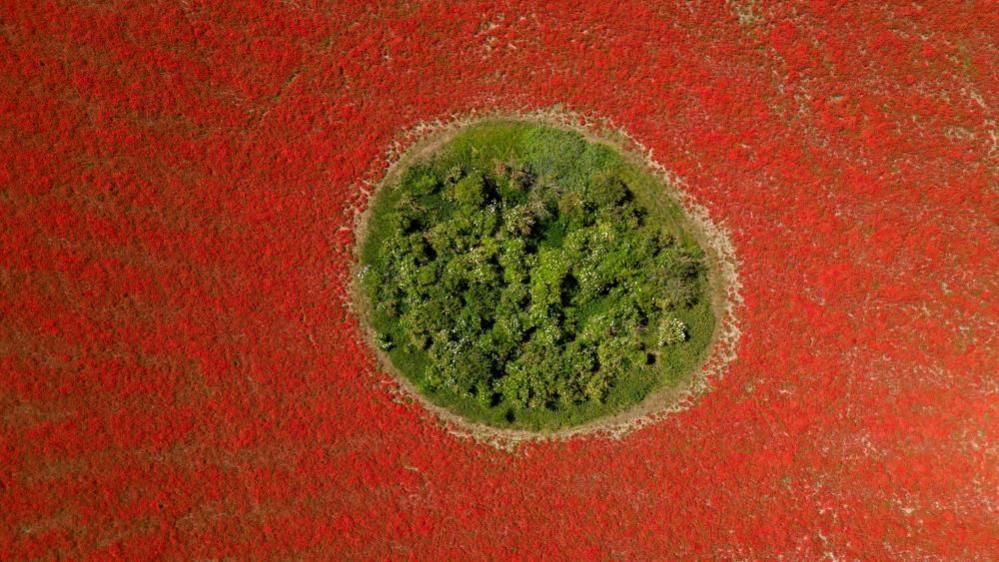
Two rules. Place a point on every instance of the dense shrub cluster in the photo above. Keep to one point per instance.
(518, 271)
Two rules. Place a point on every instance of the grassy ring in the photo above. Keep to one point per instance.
(489, 149)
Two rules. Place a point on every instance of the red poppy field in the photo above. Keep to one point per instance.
(181, 376)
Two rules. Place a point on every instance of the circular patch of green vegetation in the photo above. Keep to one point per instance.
(524, 276)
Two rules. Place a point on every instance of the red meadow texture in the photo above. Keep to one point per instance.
(180, 375)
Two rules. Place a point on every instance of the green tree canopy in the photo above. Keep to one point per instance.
(524, 276)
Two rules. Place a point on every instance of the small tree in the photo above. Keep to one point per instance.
(470, 191)
(672, 331)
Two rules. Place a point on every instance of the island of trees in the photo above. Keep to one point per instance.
(523, 276)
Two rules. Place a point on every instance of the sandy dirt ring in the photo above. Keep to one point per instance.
(425, 138)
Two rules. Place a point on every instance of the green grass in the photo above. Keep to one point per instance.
(493, 267)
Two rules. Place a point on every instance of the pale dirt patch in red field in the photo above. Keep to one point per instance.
(425, 138)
